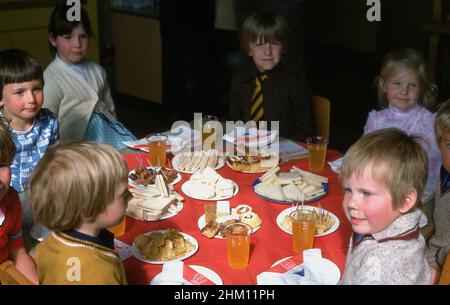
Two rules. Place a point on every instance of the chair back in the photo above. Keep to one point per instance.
(444, 279)
(9, 275)
(321, 115)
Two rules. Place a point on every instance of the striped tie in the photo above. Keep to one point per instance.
(257, 110)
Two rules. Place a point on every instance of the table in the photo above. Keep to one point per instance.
(268, 245)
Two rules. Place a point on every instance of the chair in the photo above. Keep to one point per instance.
(321, 115)
(438, 26)
(444, 279)
(9, 275)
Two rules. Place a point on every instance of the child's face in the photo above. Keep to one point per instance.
(115, 211)
(73, 47)
(265, 55)
(368, 204)
(21, 102)
(5, 179)
(402, 90)
(444, 147)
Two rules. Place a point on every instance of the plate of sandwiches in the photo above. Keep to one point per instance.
(258, 163)
(326, 222)
(209, 185)
(142, 177)
(157, 202)
(290, 187)
(160, 246)
(193, 162)
(213, 223)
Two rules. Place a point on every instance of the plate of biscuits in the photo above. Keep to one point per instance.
(160, 246)
(291, 187)
(218, 215)
(326, 222)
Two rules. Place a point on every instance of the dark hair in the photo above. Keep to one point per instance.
(59, 25)
(17, 66)
(266, 26)
(7, 146)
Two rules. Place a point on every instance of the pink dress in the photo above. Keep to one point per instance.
(415, 121)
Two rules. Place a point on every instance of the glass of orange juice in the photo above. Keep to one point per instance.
(119, 229)
(317, 152)
(303, 229)
(238, 244)
(157, 144)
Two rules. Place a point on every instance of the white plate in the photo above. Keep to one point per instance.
(142, 187)
(283, 213)
(201, 224)
(334, 274)
(265, 169)
(188, 189)
(206, 272)
(164, 216)
(188, 237)
(176, 161)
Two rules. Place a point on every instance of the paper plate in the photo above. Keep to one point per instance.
(188, 188)
(206, 272)
(324, 186)
(188, 237)
(287, 211)
(333, 272)
(178, 159)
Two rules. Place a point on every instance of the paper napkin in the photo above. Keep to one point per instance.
(336, 165)
(292, 272)
(174, 272)
(251, 137)
(122, 249)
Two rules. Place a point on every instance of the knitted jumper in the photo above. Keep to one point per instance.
(64, 259)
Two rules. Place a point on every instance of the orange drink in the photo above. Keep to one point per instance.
(303, 227)
(317, 151)
(157, 145)
(119, 229)
(238, 244)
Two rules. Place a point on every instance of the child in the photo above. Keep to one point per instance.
(439, 243)
(11, 241)
(383, 175)
(405, 93)
(34, 129)
(78, 190)
(285, 98)
(76, 89)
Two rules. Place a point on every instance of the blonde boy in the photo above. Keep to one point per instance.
(439, 243)
(383, 176)
(78, 190)
(11, 240)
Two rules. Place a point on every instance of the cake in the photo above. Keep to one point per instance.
(251, 218)
(243, 208)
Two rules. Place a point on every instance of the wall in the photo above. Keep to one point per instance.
(26, 28)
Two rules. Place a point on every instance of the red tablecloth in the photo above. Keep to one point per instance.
(268, 245)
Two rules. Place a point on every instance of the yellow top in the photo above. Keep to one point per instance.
(63, 259)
